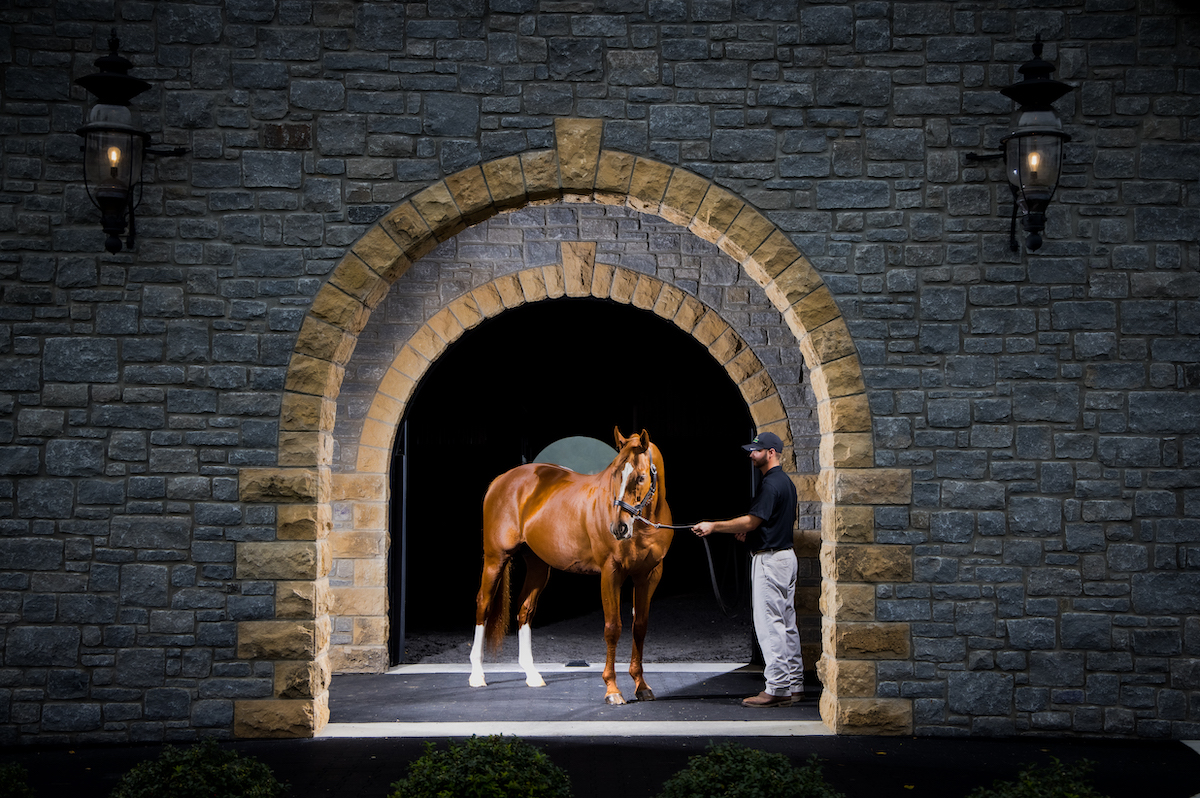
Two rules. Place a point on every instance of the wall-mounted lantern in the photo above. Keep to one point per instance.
(113, 145)
(1033, 149)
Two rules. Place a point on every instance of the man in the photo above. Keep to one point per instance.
(767, 528)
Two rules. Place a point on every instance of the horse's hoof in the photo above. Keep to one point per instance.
(645, 695)
(614, 699)
(477, 680)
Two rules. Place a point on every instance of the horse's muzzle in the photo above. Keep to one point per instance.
(621, 530)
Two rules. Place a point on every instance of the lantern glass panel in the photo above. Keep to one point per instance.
(113, 148)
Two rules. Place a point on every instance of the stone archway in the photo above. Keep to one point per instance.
(302, 487)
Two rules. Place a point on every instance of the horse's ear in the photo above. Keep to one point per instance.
(620, 439)
(645, 436)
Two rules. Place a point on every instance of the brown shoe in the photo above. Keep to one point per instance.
(765, 699)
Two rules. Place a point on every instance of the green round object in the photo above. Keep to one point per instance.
(578, 453)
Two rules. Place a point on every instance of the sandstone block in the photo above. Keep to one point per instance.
(324, 341)
(771, 257)
(281, 559)
(313, 376)
(578, 259)
(533, 284)
(838, 378)
(378, 433)
(847, 450)
(305, 448)
(445, 326)
(578, 143)
(811, 311)
(354, 544)
(437, 208)
(304, 411)
(409, 231)
(304, 600)
(848, 640)
(382, 254)
(866, 486)
(747, 232)
(793, 284)
(883, 716)
(385, 409)
(602, 277)
(831, 341)
(715, 214)
(370, 631)
(279, 718)
(709, 328)
(553, 278)
(283, 484)
(847, 602)
(691, 310)
(470, 192)
(767, 413)
(288, 639)
(647, 185)
(359, 601)
(757, 386)
(359, 659)
(303, 521)
(847, 678)
(645, 295)
(682, 199)
(303, 679)
(845, 414)
(612, 177)
(410, 363)
(727, 346)
(847, 524)
(466, 311)
(510, 291)
(356, 279)
(426, 343)
(847, 562)
(340, 309)
(742, 366)
(624, 283)
(505, 182)
(541, 175)
(373, 460)
(367, 487)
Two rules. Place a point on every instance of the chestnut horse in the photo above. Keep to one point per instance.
(602, 524)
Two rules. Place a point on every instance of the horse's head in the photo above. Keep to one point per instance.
(635, 480)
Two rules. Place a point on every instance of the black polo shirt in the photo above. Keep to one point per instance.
(775, 504)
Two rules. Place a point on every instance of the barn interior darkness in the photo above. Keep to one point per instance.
(525, 379)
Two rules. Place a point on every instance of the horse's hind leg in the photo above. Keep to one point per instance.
(494, 577)
(537, 574)
(643, 591)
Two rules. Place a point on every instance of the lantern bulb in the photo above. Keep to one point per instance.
(114, 156)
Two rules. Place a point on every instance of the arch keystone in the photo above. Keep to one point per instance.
(578, 142)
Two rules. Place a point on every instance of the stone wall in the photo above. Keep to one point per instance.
(1045, 576)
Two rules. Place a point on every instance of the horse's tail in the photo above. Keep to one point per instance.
(496, 624)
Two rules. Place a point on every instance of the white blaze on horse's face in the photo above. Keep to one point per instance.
(622, 529)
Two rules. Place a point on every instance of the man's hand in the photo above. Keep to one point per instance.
(703, 529)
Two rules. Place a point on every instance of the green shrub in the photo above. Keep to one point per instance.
(1055, 780)
(731, 771)
(13, 781)
(484, 767)
(199, 771)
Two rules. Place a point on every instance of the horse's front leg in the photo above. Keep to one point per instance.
(643, 591)
(610, 597)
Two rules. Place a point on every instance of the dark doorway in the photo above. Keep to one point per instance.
(523, 380)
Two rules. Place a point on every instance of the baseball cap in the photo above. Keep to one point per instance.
(764, 440)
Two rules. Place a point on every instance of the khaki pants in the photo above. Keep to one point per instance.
(773, 581)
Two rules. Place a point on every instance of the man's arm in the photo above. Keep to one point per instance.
(737, 526)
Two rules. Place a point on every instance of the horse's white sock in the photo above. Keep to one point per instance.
(525, 657)
(477, 679)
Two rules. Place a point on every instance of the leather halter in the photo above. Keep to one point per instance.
(636, 512)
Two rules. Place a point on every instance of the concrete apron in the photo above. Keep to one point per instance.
(433, 700)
